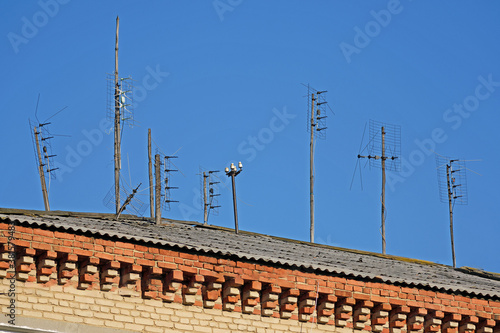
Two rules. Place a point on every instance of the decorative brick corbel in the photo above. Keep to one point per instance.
(211, 291)
(129, 276)
(416, 319)
(250, 296)
(269, 301)
(191, 288)
(361, 315)
(307, 304)
(151, 282)
(380, 317)
(25, 264)
(433, 321)
(88, 272)
(343, 311)
(6, 259)
(231, 293)
(451, 322)
(486, 326)
(46, 267)
(326, 308)
(398, 319)
(109, 276)
(468, 324)
(66, 268)
(172, 286)
(288, 302)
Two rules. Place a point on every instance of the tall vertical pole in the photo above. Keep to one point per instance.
(234, 204)
(311, 169)
(117, 124)
(205, 204)
(157, 189)
(42, 174)
(450, 195)
(383, 190)
(150, 167)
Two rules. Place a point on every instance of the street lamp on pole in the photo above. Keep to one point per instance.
(233, 172)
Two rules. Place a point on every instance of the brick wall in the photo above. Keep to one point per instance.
(109, 283)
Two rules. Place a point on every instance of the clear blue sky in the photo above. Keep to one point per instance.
(221, 81)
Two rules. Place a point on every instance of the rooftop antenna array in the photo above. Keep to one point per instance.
(316, 108)
(452, 183)
(41, 136)
(168, 169)
(120, 111)
(383, 138)
(210, 192)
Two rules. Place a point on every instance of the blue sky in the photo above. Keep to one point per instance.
(221, 81)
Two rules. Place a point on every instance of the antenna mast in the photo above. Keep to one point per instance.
(117, 124)
(150, 167)
(395, 146)
(311, 171)
(454, 191)
(157, 189)
(316, 125)
(210, 199)
(42, 173)
(450, 195)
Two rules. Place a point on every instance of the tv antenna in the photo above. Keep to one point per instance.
(131, 204)
(41, 137)
(210, 192)
(168, 169)
(316, 108)
(383, 137)
(120, 111)
(452, 183)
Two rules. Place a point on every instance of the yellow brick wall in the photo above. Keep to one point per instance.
(109, 310)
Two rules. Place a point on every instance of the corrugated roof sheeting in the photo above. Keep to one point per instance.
(279, 251)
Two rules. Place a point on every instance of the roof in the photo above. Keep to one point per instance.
(207, 239)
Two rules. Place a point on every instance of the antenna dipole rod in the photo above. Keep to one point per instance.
(150, 170)
(157, 189)
(383, 190)
(117, 124)
(42, 174)
(205, 204)
(311, 171)
(450, 195)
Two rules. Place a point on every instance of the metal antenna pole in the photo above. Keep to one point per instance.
(157, 189)
(311, 170)
(450, 195)
(42, 174)
(383, 190)
(150, 167)
(234, 204)
(205, 204)
(117, 124)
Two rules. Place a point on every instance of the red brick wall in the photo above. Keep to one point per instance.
(230, 284)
